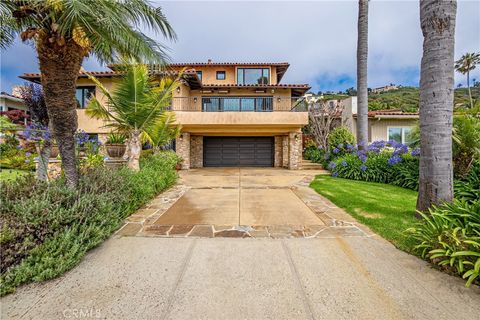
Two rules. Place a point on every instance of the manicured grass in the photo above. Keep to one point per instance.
(388, 210)
(11, 174)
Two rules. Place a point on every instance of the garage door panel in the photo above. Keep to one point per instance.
(238, 151)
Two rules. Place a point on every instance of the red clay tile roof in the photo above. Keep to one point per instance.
(185, 64)
(280, 85)
(391, 112)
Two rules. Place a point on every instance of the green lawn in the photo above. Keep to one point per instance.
(11, 174)
(388, 210)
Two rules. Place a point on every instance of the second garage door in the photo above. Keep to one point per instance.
(238, 151)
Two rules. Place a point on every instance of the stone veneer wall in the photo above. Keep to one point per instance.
(278, 160)
(183, 149)
(285, 151)
(295, 150)
(196, 151)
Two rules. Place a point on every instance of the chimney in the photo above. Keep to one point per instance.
(209, 60)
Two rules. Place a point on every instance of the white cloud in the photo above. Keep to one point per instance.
(317, 38)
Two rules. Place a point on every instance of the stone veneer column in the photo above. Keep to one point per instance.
(285, 151)
(278, 160)
(183, 149)
(196, 151)
(295, 150)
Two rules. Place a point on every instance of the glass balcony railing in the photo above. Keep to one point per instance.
(238, 104)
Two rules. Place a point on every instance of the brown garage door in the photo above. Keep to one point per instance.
(238, 151)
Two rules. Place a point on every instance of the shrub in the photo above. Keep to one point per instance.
(47, 228)
(469, 188)
(340, 137)
(379, 163)
(449, 236)
(17, 158)
(116, 138)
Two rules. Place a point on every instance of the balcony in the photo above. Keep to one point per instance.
(239, 104)
(240, 115)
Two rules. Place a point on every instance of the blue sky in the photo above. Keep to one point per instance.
(318, 38)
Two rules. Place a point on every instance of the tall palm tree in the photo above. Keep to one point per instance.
(464, 65)
(137, 107)
(362, 87)
(64, 33)
(437, 18)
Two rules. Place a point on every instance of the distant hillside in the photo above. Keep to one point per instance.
(406, 98)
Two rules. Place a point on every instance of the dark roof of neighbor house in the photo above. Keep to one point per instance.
(11, 96)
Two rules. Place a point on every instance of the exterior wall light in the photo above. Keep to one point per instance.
(178, 89)
(195, 100)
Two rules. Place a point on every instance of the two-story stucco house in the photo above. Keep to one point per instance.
(231, 114)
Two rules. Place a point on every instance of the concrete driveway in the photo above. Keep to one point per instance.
(221, 278)
(240, 196)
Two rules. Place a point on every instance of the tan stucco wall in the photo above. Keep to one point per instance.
(85, 122)
(209, 73)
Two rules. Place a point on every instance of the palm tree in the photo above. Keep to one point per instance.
(464, 65)
(437, 18)
(362, 88)
(64, 33)
(137, 107)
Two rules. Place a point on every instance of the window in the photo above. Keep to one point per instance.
(83, 94)
(237, 104)
(199, 74)
(220, 75)
(253, 76)
(399, 134)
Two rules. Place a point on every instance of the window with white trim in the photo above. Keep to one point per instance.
(399, 134)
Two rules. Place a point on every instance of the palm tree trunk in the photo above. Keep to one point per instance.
(134, 148)
(362, 56)
(469, 91)
(60, 66)
(43, 158)
(437, 19)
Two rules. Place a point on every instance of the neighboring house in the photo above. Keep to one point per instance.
(232, 114)
(10, 102)
(386, 88)
(391, 124)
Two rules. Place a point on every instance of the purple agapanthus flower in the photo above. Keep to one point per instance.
(376, 146)
(36, 132)
(416, 152)
(27, 161)
(335, 174)
(332, 165)
(335, 150)
(344, 163)
(28, 154)
(394, 159)
(362, 157)
(350, 147)
(81, 137)
(363, 168)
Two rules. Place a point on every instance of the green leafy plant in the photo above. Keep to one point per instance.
(340, 136)
(37, 247)
(469, 187)
(137, 107)
(449, 236)
(116, 138)
(466, 143)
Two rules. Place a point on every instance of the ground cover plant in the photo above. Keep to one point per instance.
(48, 227)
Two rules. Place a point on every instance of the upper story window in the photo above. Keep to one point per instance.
(253, 76)
(220, 75)
(83, 94)
(199, 74)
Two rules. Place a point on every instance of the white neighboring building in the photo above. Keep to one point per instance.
(389, 124)
(11, 102)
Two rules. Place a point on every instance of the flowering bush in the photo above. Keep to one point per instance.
(385, 162)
